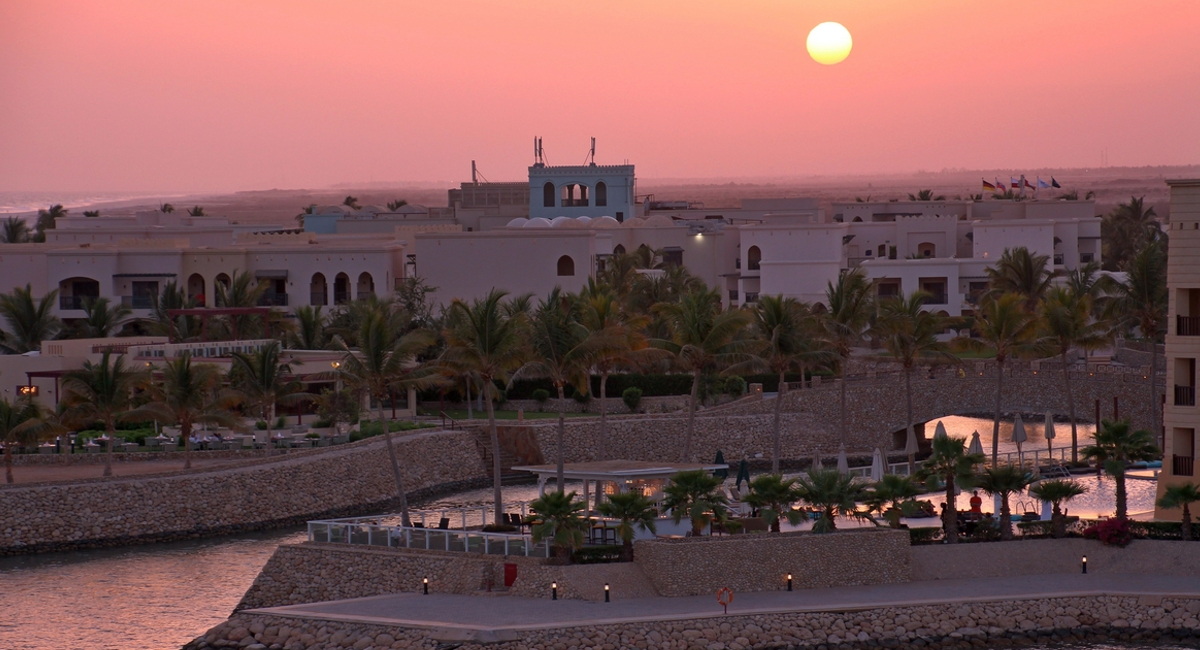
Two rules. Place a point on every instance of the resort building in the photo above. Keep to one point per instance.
(1180, 416)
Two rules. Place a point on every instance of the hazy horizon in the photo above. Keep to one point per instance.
(221, 96)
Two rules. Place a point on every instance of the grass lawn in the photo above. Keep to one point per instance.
(508, 415)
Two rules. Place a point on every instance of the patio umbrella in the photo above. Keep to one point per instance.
(1018, 436)
(816, 464)
(743, 474)
(877, 465)
(911, 447)
(843, 466)
(976, 446)
(722, 473)
(940, 430)
(1050, 436)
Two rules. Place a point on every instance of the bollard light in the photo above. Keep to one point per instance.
(425, 586)
(606, 592)
(1085, 564)
(553, 591)
(789, 576)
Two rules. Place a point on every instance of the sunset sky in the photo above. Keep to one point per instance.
(243, 94)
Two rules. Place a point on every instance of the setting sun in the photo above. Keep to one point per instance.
(829, 43)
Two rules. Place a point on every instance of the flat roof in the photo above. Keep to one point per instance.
(618, 469)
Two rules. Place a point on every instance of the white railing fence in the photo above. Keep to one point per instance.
(360, 533)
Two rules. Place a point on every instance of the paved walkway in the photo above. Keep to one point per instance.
(503, 613)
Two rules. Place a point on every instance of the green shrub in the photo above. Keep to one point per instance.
(597, 554)
(321, 424)
(1156, 529)
(260, 425)
(280, 423)
(499, 396)
(927, 535)
(541, 395)
(735, 386)
(582, 398)
(632, 397)
(917, 508)
(312, 435)
(499, 528)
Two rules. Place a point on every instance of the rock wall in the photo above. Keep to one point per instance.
(350, 478)
(1090, 620)
(702, 565)
(1050, 556)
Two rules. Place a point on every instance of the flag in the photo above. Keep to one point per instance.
(999, 185)
(1042, 184)
(1054, 183)
(1016, 182)
(1027, 183)
(988, 187)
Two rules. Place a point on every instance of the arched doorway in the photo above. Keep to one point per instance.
(926, 249)
(366, 286)
(619, 250)
(548, 195)
(341, 289)
(753, 258)
(601, 194)
(74, 293)
(224, 281)
(195, 289)
(566, 266)
(317, 290)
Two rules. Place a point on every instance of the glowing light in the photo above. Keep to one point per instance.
(829, 43)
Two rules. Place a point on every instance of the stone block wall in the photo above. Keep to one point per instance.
(701, 565)
(1051, 556)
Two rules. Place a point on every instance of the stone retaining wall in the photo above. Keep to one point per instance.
(1086, 619)
(25, 460)
(701, 565)
(616, 406)
(288, 490)
(1050, 556)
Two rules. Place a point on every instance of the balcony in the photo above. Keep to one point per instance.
(1058, 259)
(1182, 466)
(273, 300)
(1185, 396)
(574, 203)
(341, 297)
(144, 301)
(751, 296)
(317, 298)
(73, 302)
(366, 295)
(1187, 325)
(936, 299)
(733, 294)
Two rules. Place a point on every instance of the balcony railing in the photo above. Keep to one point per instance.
(1182, 466)
(1185, 396)
(317, 298)
(363, 295)
(138, 302)
(273, 300)
(751, 296)
(1187, 325)
(341, 297)
(73, 302)
(574, 203)
(1058, 259)
(936, 299)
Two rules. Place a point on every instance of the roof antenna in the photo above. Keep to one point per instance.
(474, 179)
(591, 159)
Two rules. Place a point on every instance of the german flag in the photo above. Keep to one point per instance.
(988, 187)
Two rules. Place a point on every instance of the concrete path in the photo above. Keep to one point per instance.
(496, 614)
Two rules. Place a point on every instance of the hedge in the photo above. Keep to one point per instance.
(651, 385)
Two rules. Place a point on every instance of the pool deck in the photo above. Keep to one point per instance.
(499, 617)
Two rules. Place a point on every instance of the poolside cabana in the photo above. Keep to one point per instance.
(622, 475)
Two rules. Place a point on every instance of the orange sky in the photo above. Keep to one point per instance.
(239, 94)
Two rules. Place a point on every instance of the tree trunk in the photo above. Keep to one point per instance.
(912, 458)
(603, 446)
(1070, 410)
(1005, 518)
(269, 411)
(110, 430)
(400, 494)
(8, 463)
(950, 514)
(1122, 506)
(1154, 406)
(1185, 529)
(470, 413)
(497, 498)
(842, 400)
(185, 431)
(1058, 523)
(996, 418)
(687, 445)
(627, 550)
(775, 439)
(558, 470)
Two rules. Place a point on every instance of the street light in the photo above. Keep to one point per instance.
(554, 591)
(789, 579)
(425, 586)
(606, 592)
(1085, 564)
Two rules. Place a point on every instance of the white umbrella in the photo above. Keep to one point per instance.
(1050, 436)
(1018, 436)
(877, 466)
(976, 446)
(940, 430)
(911, 447)
(816, 464)
(843, 467)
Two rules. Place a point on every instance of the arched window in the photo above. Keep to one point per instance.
(753, 258)
(366, 286)
(601, 194)
(926, 249)
(857, 219)
(566, 266)
(341, 289)
(318, 293)
(882, 250)
(221, 285)
(548, 195)
(195, 289)
(620, 249)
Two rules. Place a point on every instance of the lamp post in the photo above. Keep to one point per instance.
(789, 580)
(553, 591)
(425, 586)
(1084, 563)
(606, 592)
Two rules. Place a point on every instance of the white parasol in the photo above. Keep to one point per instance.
(911, 447)
(940, 430)
(1019, 436)
(1050, 433)
(976, 446)
(842, 466)
(816, 464)
(877, 466)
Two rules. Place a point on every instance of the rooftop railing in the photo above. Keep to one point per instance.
(361, 532)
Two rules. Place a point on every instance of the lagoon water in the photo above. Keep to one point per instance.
(163, 595)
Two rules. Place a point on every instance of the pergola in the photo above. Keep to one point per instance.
(621, 473)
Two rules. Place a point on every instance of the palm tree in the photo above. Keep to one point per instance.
(160, 323)
(1057, 493)
(563, 351)
(29, 322)
(310, 329)
(1005, 329)
(892, 490)
(1004, 480)
(633, 510)
(396, 205)
(1066, 319)
(102, 392)
(21, 423)
(1023, 273)
(952, 465)
(188, 394)
(196, 211)
(351, 202)
(14, 230)
(47, 220)
(849, 314)
(310, 209)
(695, 494)
(1115, 447)
(91, 213)
(703, 340)
(383, 362)
(834, 494)
(102, 321)
(262, 379)
(909, 332)
(556, 517)
(773, 496)
(924, 195)
(1126, 230)
(166, 208)
(1141, 301)
(486, 344)
(786, 325)
(1176, 496)
(243, 290)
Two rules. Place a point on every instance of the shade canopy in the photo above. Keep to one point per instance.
(816, 462)
(722, 473)
(843, 466)
(877, 465)
(1050, 427)
(976, 446)
(1018, 432)
(911, 447)
(940, 430)
(743, 473)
